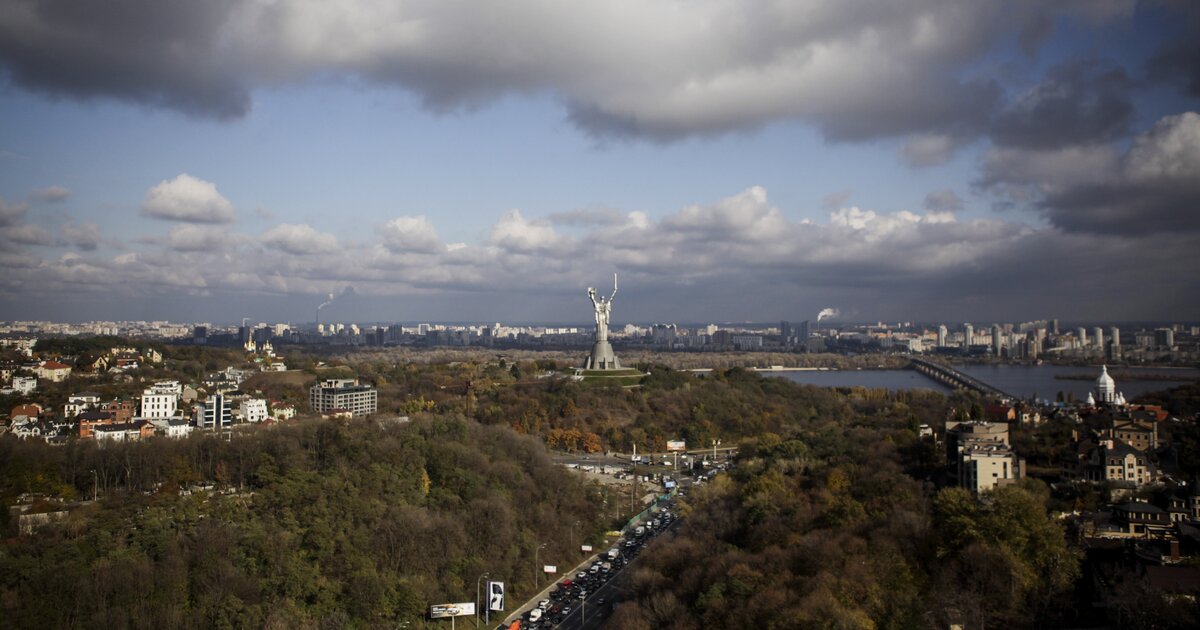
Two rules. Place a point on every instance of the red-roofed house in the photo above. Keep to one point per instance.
(53, 371)
(1000, 413)
(32, 410)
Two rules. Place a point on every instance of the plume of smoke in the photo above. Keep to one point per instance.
(326, 302)
(826, 313)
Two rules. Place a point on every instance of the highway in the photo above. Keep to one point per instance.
(594, 611)
(591, 616)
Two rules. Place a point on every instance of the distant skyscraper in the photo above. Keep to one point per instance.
(1054, 326)
(997, 340)
(968, 336)
(1034, 344)
(785, 332)
(941, 336)
(1164, 338)
(1081, 336)
(1114, 335)
(1098, 337)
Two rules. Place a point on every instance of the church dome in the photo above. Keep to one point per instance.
(1106, 387)
(1105, 381)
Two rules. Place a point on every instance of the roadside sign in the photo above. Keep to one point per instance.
(585, 547)
(549, 568)
(441, 611)
(495, 595)
(676, 445)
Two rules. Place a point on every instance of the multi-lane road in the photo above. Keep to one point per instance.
(592, 615)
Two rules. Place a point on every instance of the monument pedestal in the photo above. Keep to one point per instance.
(602, 357)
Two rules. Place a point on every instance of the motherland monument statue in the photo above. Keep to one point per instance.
(602, 356)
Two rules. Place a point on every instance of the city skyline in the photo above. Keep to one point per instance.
(903, 161)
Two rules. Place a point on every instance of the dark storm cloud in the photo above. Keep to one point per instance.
(1178, 63)
(1153, 187)
(1178, 58)
(856, 70)
(1126, 208)
(1078, 103)
(157, 52)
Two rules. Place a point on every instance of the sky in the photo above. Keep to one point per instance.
(454, 160)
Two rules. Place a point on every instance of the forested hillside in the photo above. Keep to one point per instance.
(310, 524)
(823, 529)
(826, 520)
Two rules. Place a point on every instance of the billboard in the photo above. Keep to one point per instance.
(676, 445)
(550, 568)
(585, 547)
(441, 611)
(495, 596)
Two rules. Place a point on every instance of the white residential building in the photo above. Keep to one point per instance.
(284, 411)
(24, 384)
(253, 410)
(167, 387)
(79, 403)
(984, 466)
(155, 405)
(345, 394)
(175, 428)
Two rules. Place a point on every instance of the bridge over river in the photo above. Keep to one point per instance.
(951, 377)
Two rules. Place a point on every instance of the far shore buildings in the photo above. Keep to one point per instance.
(344, 394)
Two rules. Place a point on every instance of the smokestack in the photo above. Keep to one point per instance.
(323, 305)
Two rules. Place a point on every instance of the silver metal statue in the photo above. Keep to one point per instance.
(603, 310)
(602, 356)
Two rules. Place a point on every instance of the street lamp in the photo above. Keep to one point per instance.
(714, 445)
(477, 598)
(536, 567)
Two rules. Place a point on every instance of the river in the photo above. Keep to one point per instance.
(1018, 380)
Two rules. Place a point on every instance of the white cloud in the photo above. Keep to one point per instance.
(199, 238)
(742, 249)
(187, 199)
(1168, 153)
(28, 235)
(411, 234)
(85, 236)
(299, 239)
(929, 149)
(10, 213)
(52, 194)
(513, 232)
(588, 216)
